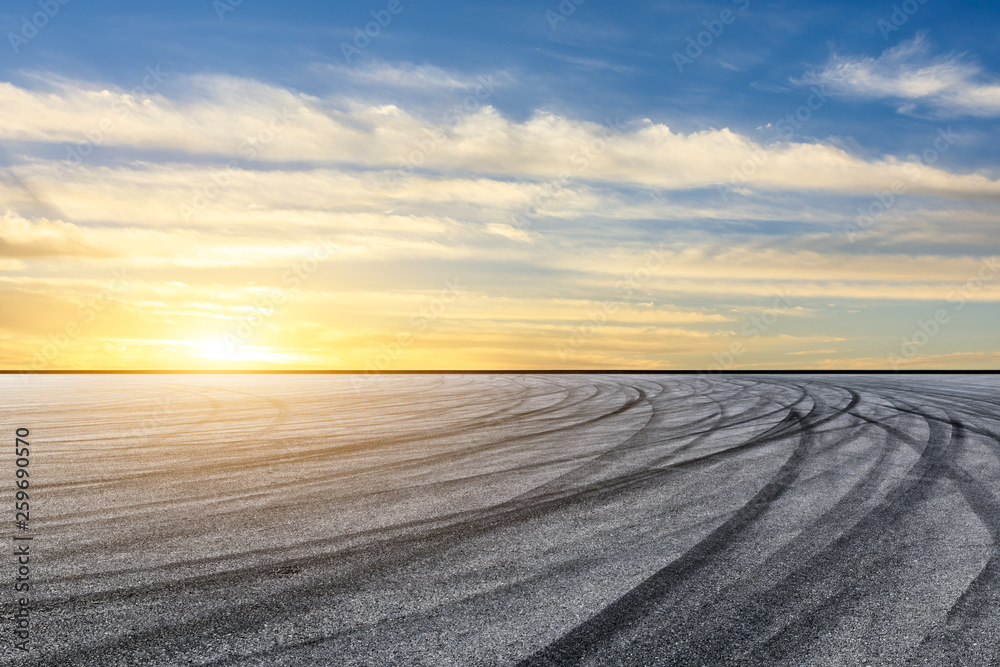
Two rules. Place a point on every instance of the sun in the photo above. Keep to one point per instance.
(218, 349)
(225, 352)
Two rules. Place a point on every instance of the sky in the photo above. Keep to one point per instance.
(410, 184)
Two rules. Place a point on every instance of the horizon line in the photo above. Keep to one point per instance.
(477, 371)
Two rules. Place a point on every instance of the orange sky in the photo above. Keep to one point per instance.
(224, 237)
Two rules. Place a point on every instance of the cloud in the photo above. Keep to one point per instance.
(245, 123)
(509, 231)
(592, 201)
(587, 63)
(407, 75)
(946, 85)
(24, 239)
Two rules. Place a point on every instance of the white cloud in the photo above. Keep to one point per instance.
(405, 75)
(509, 231)
(947, 85)
(246, 122)
(23, 238)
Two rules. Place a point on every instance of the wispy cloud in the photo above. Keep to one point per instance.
(408, 75)
(945, 85)
(587, 63)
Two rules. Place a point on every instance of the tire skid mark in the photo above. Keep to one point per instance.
(495, 446)
(720, 427)
(568, 650)
(854, 552)
(639, 439)
(644, 599)
(443, 529)
(969, 617)
(787, 613)
(399, 442)
(507, 511)
(764, 600)
(234, 617)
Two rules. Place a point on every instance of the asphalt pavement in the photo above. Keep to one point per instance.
(521, 520)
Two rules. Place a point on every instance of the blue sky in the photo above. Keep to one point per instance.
(741, 140)
(604, 58)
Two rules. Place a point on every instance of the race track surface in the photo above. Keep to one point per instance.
(510, 519)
